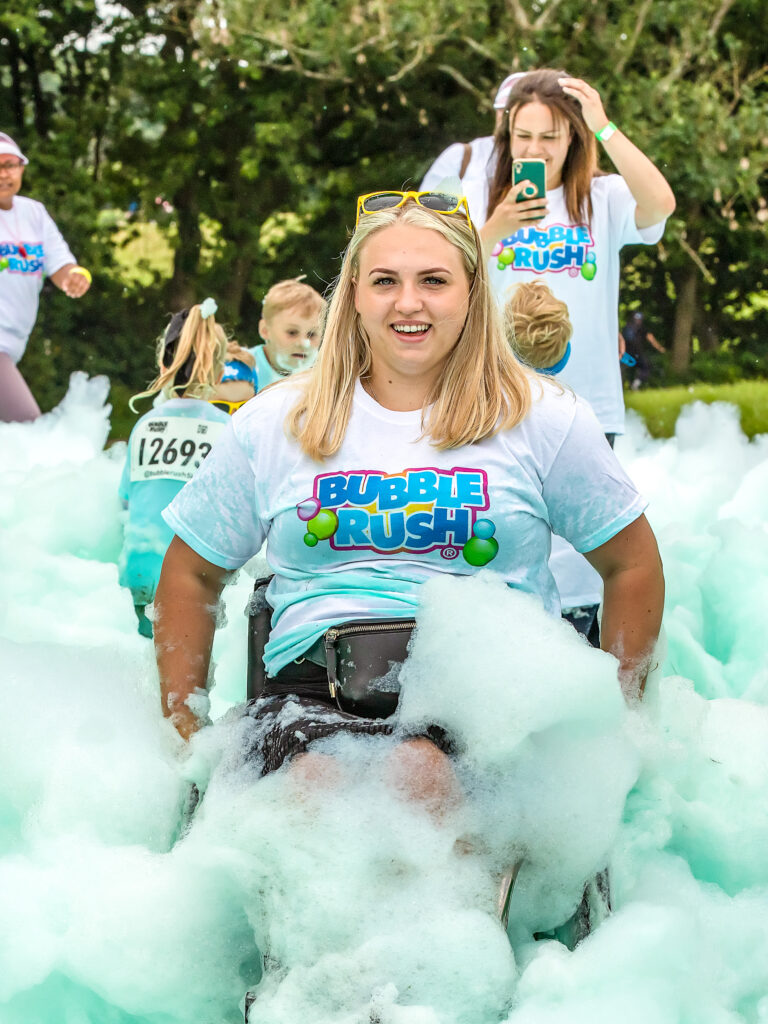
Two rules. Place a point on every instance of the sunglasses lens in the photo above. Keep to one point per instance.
(439, 202)
(382, 201)
(224, 406)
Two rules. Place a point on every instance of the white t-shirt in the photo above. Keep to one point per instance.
(581, 266)
(578, 584)
(354, 537)
(165, 449)
(26, 228)
(476, 178)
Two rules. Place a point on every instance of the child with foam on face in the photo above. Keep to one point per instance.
(539, 331)
(289, 329)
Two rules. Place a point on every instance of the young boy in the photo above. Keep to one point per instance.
(538, 327)
(290, 330)
(539, 330)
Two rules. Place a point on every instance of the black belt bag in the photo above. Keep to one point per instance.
(363, 659)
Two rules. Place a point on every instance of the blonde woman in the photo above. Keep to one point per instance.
(169, 442)
(414, 379)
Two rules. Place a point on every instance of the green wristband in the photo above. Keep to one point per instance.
(606, 132)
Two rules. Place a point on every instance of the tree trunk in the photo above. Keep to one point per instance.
(684, 314)
(234, 289)
(706, 329)
(39, 104)
(186, 259)
(16, 90)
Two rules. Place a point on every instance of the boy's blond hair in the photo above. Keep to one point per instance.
(538, 325)
(292, 294)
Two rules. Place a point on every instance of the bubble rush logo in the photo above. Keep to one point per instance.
(417, 511)
(550, 250)
(21, 259)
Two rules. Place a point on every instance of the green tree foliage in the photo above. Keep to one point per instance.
(257, 124)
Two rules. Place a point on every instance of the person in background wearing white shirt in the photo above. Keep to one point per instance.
(471, 162)
(539, 330)
(31, 246)
(572, 239)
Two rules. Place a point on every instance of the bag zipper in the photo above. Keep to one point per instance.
(333, 634)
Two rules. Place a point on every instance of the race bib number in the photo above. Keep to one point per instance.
(171, 447)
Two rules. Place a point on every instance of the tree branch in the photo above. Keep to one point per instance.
(409, 65)
(462, 81)
(754, 76)
(546, 14)
(692, 52)
(708, 277)
(717, 21)
(518, 13)
(639, 26)
(479, 48)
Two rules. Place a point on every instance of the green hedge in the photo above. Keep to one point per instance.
(660, 407)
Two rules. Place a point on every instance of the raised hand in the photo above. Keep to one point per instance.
(589, 98)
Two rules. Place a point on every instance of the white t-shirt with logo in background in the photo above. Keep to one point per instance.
(580, 264)
(30, 246)
(356, 536)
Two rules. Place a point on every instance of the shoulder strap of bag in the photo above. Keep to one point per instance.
(259, 625)
(465, 159)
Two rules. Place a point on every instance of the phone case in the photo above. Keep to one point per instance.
(535, 173)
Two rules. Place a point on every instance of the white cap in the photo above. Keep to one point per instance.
(7, 145)
(506, 88)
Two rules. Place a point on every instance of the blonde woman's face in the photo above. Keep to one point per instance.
(412, 295)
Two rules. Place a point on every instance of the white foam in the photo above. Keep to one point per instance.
(365, 904)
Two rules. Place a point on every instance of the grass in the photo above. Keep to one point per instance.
(660, 407)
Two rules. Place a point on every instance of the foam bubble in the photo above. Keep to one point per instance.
(367, 908)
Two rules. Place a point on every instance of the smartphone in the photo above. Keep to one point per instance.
(534, 172)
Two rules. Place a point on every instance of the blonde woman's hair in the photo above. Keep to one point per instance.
(190, 357)
(538, 325)
(292, 294)
(482, 388)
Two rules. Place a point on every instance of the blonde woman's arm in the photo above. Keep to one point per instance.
(185, 621)
(633, 601)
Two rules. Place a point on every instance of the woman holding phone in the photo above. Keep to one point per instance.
(571, 239)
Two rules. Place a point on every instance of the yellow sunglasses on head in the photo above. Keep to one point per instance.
(437, 202)
(227, 407)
